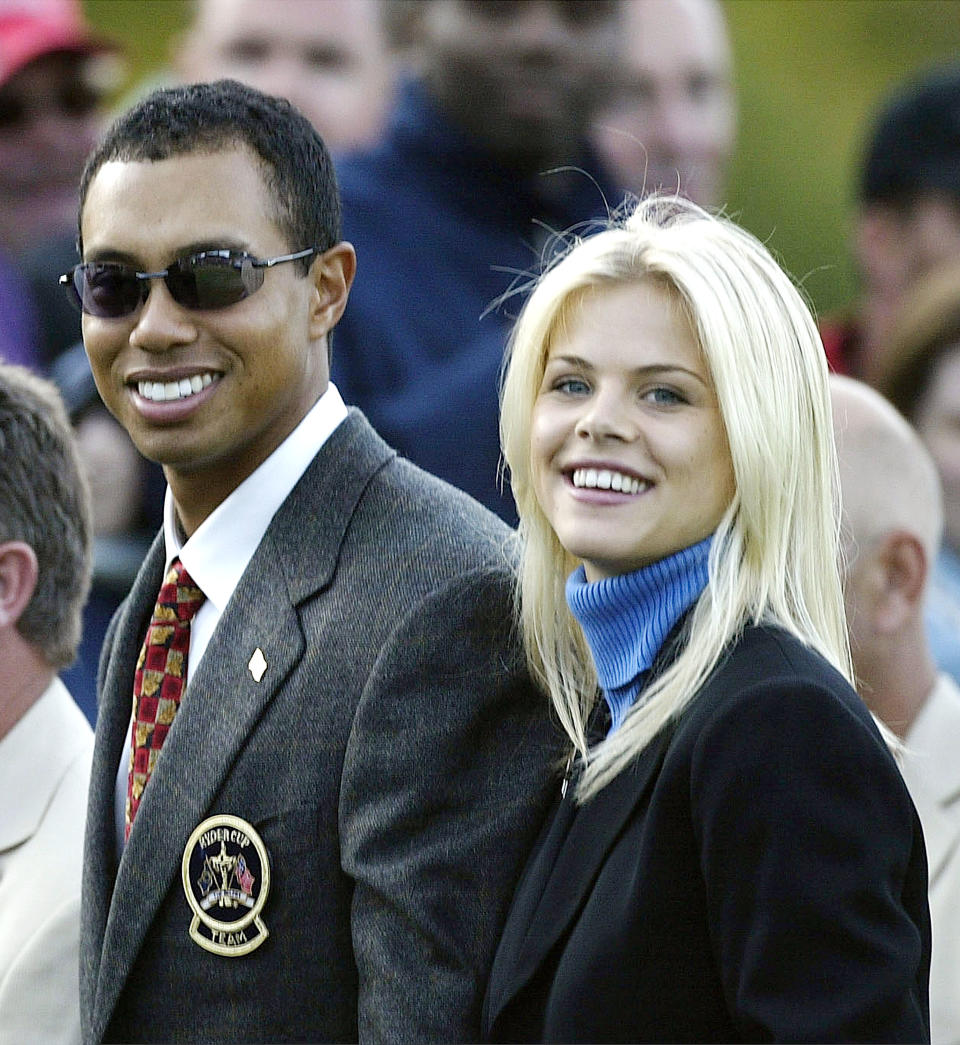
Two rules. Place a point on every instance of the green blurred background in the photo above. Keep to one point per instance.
(810, 75)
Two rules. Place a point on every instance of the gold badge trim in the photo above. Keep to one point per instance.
(211, 933)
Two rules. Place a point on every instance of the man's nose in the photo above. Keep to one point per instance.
(161, 321)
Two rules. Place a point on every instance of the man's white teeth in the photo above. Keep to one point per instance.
(164, 391)
(603, 479)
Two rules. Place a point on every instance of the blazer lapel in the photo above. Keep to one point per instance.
(562, 874)
(226, 696)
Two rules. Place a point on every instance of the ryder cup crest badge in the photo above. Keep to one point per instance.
(226, 878)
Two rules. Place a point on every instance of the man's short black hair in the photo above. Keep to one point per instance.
(915, 147)
(210, 117)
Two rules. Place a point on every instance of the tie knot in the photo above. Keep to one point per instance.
(180, 593)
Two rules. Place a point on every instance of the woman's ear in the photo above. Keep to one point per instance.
(18, 580)
(332, 273)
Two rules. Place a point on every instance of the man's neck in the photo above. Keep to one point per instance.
(898, 685)
(26, 676)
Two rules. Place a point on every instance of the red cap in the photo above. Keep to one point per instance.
(30, 29)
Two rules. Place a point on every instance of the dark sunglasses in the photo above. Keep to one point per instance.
(211, 279)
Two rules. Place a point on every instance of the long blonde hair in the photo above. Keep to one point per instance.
(775, 554)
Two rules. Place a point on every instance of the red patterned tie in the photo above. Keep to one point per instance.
(160, 678)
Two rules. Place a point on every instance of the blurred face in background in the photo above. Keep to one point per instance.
(896, 247)
(329, 57)
(48, 123)
(673, 121)
(520, 76)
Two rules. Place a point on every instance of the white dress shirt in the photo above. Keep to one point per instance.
(219, 551)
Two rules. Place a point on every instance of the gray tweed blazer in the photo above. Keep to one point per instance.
(392, 759)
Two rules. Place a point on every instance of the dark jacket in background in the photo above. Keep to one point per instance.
(442, 230)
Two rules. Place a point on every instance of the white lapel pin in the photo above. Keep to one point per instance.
(257, 665)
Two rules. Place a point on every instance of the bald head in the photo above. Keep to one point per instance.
(892, 515)
(887, 477)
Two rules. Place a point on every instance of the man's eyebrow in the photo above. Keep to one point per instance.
(107, 254)
(221, 243)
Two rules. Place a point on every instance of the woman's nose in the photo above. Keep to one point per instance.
(606, 416)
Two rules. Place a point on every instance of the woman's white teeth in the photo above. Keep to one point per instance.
(603, 479)
(164, 391)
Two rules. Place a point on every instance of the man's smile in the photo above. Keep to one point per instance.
(164, 391)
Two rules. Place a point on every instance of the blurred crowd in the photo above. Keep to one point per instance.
(470, 140)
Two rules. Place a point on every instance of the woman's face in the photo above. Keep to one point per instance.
(629, 452)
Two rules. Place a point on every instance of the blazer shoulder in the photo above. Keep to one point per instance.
(770, 675)
(437, 518)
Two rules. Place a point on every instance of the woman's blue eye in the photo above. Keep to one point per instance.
(664, 396)
(572, 386)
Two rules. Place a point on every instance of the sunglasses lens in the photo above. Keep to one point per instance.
(106, 290)
(209, 281)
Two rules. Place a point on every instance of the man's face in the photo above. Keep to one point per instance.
(329, 57)
(258, 365)
(672, 124)
(896, 248)
(48, 125)
(521, 76)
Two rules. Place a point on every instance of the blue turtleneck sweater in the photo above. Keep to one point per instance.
(626, 618)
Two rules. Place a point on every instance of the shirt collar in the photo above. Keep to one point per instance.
(217, 554)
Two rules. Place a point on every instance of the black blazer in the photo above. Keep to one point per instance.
(758, 875)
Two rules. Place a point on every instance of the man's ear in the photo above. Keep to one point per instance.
(904, 565)
(332, 273)
(18, 580)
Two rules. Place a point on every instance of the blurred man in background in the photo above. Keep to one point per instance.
(45, 742)
(892, 520)
(908, 216)
(51, 74)
(51, 84)
(329, 57)
(55, 73)
(672, 123)
(485, 156)
(918, 369)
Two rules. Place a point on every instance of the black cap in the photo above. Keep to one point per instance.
(915, 146)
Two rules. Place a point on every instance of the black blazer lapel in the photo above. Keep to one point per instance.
(561, 874)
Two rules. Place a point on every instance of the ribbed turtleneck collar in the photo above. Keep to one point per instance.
(626, 618)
